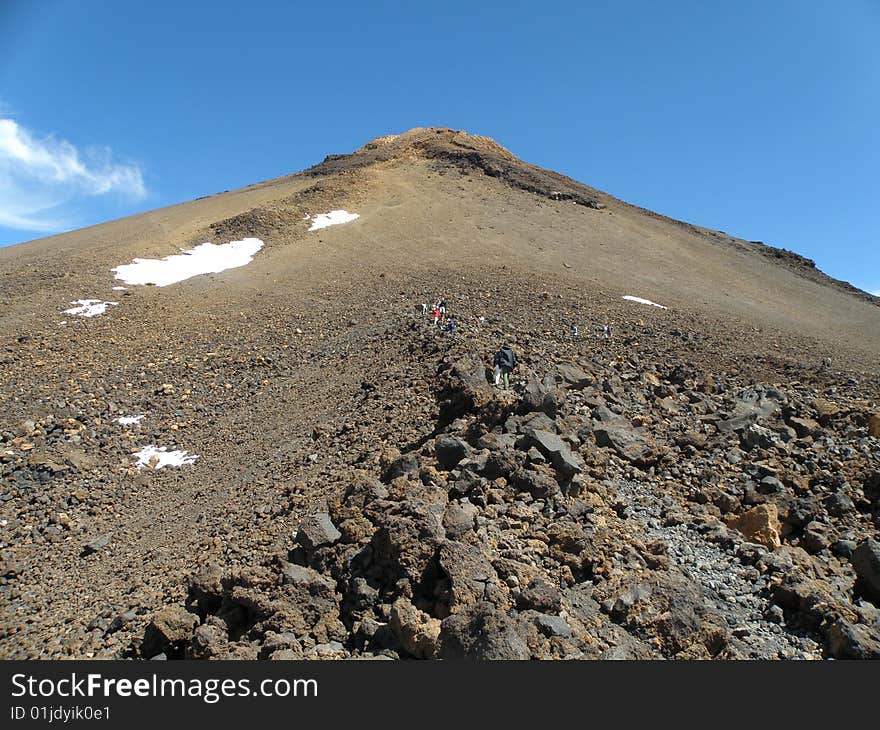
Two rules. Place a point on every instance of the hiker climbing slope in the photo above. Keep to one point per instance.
(505, 362)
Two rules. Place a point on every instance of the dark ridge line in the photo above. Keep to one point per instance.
(446, 148)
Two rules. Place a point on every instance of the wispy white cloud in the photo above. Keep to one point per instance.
(44, 180)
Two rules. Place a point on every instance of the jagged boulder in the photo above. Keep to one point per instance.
(316, 531)
(826, 410)
(168, 632)
(672, 608)
(759, 524)
(540, 395)
(406, 540)
(632, 444)
(401, 466)
(754, 436)
(540, 595)
(209, 641)
(417, 632)
(481, 631)
(469, 578)
(555, 449)
(847, 640)
(459, 519)
(463, 388)
(536, 483)
(450, 450)
(808, 602)
(804, 426)
(866, 561)
(571, 376)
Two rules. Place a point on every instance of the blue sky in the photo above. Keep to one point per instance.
(758, 118)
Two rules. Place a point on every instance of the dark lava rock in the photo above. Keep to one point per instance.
(316, 531)
(866, 561)
(540, 595)
(450, 450)
(554, 449)
(168, 632)
(618, 433)
(482, 631)
(540, 396)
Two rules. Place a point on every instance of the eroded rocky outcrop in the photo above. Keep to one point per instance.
(578, 516)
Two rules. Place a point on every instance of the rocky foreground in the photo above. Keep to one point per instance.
(361, 490)
(602, 511)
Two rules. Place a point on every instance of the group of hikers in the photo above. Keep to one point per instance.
(504, 361)
(441, 319)
(605, 333)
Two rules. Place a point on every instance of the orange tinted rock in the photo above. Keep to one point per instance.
(760, 524)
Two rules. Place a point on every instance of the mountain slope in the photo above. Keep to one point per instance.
(301, 374)
(431, 197)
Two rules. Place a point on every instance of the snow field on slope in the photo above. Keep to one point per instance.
(639, 300)
(89, 307)
(206, 258)
(158, 457)
(333, 218)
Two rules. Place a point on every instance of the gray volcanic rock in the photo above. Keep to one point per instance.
(540, 396)
(481, 632)
(853, 641)
(573, 377)
(555, 449)
(450, 451)
(617, 433)
(316, 531)
(866, 561)
(459, 519)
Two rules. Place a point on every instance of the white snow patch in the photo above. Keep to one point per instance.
(119, 288)
(644, 301)
(206, 258)
(128, 420)
(157, 457)
(333, 218)
(89, 307)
